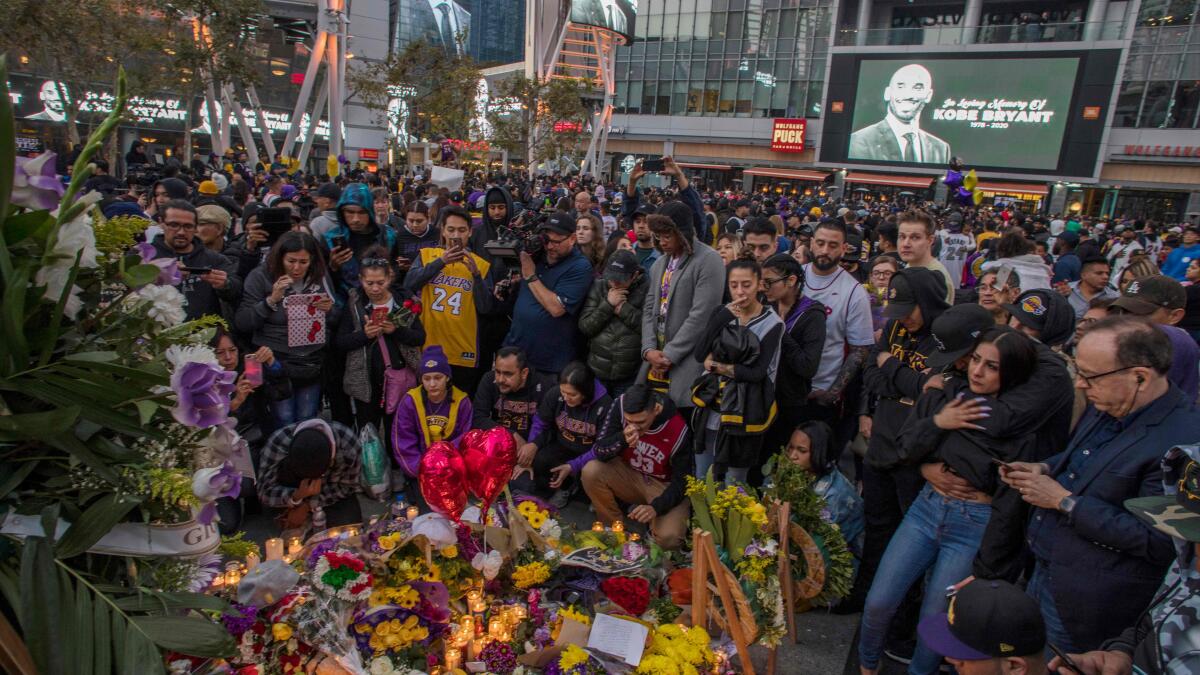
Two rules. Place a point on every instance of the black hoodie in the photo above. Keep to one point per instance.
(487, 229)
(897, 383)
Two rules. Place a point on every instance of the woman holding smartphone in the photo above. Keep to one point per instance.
(970, 524)
(379, 342)
(294, 267)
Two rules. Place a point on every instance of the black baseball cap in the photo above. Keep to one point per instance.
(986, 619)
(901, 300)
(645, 209)
(329, 191)
(621, 266)
(1047, 312)
(558, 223)
(956, 331)
(1146, 295)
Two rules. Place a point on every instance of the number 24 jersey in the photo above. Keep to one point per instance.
(450, 317)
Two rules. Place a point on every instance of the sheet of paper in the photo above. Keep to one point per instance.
(619, 637)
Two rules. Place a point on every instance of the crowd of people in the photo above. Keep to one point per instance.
(980, 391)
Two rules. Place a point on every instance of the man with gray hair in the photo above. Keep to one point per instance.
(1078, 521)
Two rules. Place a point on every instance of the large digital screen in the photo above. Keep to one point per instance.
(1021, 114)
(615, 15)
(443, 23)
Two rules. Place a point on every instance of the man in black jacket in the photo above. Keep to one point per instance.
(511, 396)
(893, 375)
(208, 276)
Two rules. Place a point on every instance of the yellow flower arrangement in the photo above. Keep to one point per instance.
(450, 551)
(676, 650)
(281, 632)
(404, 596)
(530, 575)
(389, 541)
(572, 656)
(568, 612)
(395, 634)
(536, 516)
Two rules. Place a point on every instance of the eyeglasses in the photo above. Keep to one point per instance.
(556, 242)
(1089, 380)
(882, 274)
(771, 282)
(180, 226)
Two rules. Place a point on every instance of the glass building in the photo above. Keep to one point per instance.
(725, 58)
(1161, 85)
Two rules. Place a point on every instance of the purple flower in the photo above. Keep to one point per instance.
(35, 185)
(202, 394)
(239, 618)
(213, 484)
(168, 268)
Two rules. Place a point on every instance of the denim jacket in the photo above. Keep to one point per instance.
(845, 507)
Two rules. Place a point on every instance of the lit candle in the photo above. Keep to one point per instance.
(275, 549)
(251, 560)
(412, 512)
(294, 546)
(287, 559)
(218, 581)
(232, 578)
(634, 536)
(453, 658)
(597, 526)
(520, 612)
(496, 628)
(618, 526)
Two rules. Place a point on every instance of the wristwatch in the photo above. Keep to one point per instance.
(1067, 505)
(532, 278)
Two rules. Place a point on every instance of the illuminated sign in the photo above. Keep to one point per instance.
(568, 127)
(788, 135)
(366, 153)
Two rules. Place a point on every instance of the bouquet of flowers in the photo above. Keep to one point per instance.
(677, 650)
(791, 483)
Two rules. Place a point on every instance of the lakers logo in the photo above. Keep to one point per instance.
(1033, 305)
(950, 611)
(891, 294)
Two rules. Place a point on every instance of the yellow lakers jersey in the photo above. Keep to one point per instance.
(449, 309)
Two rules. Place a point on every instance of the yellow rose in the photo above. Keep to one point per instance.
(281, 632)
(450, 551)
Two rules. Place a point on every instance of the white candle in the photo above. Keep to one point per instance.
(251, 560)
(453, 658)
(412, 512)
(274, 549)
(295, 546)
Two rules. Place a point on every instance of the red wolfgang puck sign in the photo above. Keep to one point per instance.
(788, 135)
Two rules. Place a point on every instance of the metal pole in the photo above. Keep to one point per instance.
(310, 74)
(243, 128)
(313, 121)
(214, 119)
(268, 142)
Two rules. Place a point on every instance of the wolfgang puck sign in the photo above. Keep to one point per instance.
(788, 135)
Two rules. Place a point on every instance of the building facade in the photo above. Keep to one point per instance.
(715, 82)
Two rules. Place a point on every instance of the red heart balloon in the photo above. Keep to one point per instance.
(443, 480)
(490, 457)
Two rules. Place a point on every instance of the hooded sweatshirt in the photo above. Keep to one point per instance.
(487, 229)
(898, 383)
(357, 194)
(575, 429)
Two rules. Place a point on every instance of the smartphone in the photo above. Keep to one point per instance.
(275, 221)
(379, 314)
(254, 373)
(652, 165)
(999, 463)
(339, 242)
(1065, 659)
(196, 270)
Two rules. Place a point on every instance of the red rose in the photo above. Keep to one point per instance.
(631, 594)
(416, 308)
(408, 304)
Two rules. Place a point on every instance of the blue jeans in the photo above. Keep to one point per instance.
(1038, 588)
(938, 536)
(304, 404)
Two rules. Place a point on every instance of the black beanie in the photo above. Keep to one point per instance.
(309, 456)
(494, 196)
(681, 215)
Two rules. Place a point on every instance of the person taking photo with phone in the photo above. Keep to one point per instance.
(357, 231)
(208, 276)
(452, 282)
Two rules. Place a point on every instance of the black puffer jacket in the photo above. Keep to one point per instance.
(614, 339)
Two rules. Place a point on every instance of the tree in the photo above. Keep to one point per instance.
(81, 43)
(543, 119)
(438, 90)
(211, 43)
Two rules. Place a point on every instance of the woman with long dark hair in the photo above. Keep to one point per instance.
(946, 536)
(293, 267)
(735, 396)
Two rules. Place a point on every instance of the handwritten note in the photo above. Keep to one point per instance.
(619, 637)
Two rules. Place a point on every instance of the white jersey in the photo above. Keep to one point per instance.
(1118, 258)
(955, 248)
(847, 322)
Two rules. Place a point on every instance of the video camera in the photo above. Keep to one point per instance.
(143, 175)
(523, 233)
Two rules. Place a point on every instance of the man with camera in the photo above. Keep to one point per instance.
(208, 276)
(550, 296)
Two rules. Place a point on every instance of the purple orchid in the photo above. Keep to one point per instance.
(168, 268)
(35, 185)
(202, 394)
(212, 484)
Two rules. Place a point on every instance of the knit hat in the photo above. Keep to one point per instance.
(123, 208)
(221, 181)
(433, 360)
(310, 454)
(208, 187)
(681, 215)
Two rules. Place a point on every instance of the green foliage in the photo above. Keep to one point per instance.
(794, 484)
(236, 546)
(440, 90)
(523, 113)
